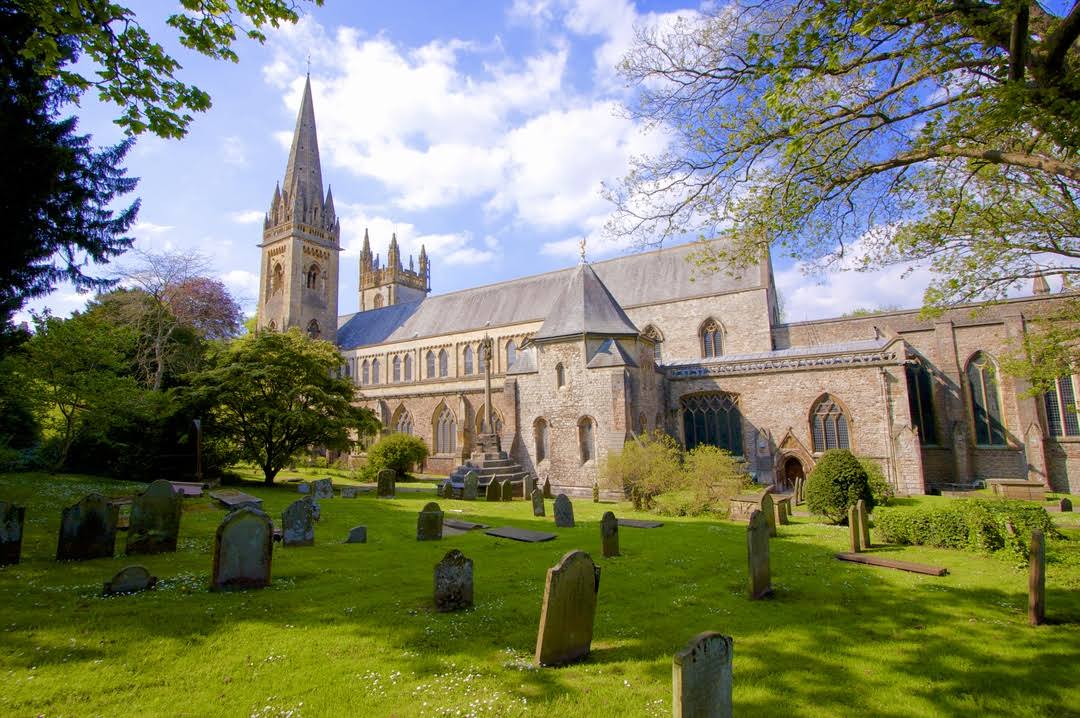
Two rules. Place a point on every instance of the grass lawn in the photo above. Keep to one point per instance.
(341, 477)
(348, 629)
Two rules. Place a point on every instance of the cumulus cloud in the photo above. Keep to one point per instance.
(151, 228)
(249, 216)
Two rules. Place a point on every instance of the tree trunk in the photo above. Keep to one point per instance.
(269, 474)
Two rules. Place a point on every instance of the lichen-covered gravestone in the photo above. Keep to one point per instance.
(566, 618)
(506, 490)
(88, 530)
(701, 678)
(243, 551)
(357, 534)
(853, 529)
(472, 486)
(130, 580)
(155, 520)
(429, 523)
(538, 502)
(768, 508)
(564, 512)
(386, 489)
(547, 489)
(453, 582)
(493, 492)
(609, 534)
(322, 489)
(447, 489)
(350, 492)
(757, 555)
(12, 518)
(864, 523)
(298, 524)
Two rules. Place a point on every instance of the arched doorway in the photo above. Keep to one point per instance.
(793, 469)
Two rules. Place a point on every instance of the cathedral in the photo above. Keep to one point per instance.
(559, 369)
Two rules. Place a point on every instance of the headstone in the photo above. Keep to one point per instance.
(243, 551)
(853, 529)
(640, 524)
(757, 553)
(232, 499)
(350, 492)
(357, 534)
(1064, 505)
(518, 534)
(547, 489)
(701, 678)
(155, 520)
(453, 582)
(322, 489)
(303, 487)
(387, 489)
(130, 580)
(528, 485)
(12, 518)
(493, 491)
(506, 490)
(447, 489)
(88, 530)
(471, 488)
(566, 618)
(298, 524)
(768, 508)
(609, 534)
(538, 502)
(797, 490)
(316, 509)
(1037, 579)
(429, 523)
(864, 524)
(564, 512)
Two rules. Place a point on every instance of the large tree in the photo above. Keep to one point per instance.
(865, 133)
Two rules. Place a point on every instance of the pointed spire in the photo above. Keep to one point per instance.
(367, 244)
(393, 255)
(303, 175)
(328, 206)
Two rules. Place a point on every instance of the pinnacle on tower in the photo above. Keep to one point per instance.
(393, 255)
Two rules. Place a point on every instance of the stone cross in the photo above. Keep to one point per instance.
(486, 350)
(564, 512)
(453, 582)
(864, 523)
(471, 487)
(88, 529)
(243, 551)
(322, 489)
(1037, 579)
(12, 519)
(609, 534)
(506, 490)
(568, 611)
(768, 508)
(538, 502)
(130, 580)
(757, 555)
(298, 524)
(493, 491)
(387, 488)
(429, 523)
(701, 678)
(155, 520)
(853, 528)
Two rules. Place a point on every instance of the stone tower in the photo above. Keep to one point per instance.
(393, 284)
(298, 284)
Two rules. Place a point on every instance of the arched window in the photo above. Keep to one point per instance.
(985, 401)
(1061, 416)
(467, 356)
(560, 376)
(921, 401)
(431, 365)
(348, 370)
(396, 364)
(713, 419)
(278, 281)
(313, 277)
(586, 440)
(511, 353)
(408, 367)
(710, 339)
(653, 333)
(404, 423)
(444, 363)
(480, 361)
(313, 329)
(445, 432)
(375, 371)
(365, 373)
(378, 301)
(540, 436)
(829, 425)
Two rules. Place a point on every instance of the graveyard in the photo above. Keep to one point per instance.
(353, 629)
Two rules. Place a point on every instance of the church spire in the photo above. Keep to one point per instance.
(303, 175)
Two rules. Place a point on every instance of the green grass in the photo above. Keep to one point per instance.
(341, 477)
(348, 630)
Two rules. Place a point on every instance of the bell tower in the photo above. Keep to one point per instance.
(393, 284)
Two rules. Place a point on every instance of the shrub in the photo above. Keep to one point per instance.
(712, 476)
(880, 488)
(400, 452)
(836, 483)
(647, 465)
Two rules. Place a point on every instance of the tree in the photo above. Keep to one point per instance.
(865, 133)
(278, 393)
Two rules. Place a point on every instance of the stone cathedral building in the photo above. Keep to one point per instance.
(586, 357)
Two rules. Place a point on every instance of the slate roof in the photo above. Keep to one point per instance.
(585, 307)
(852, 347)
(610, 353)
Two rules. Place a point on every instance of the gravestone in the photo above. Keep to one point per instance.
(243, 551)
(429, 523)
(453, 582)
(757, 555)
(357, 534)
(609, 534)
(853, 529)
(506, 490)
(387, 489)
(88, 530)
(12, 519)
(322, 489)
(350, 492)
(564, 512)
(864, 523)
(303, 487)
(595, 492)
(447, 489)
(797, 497)
(547, 489)
(471, 487)
(701, 678)
(768, 507)
(1037, 579)
(538, 502)
(568, 611)
(316, 509)
(129, 580)
(155, 520)
(298, 524)
(493, 493)
(529, 483)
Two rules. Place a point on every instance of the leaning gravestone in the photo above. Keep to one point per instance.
(493, 492)
(429, 523)
(155, 520)
(528, 484)
(564, 512)
(130, 580)
(768, 508)
(322, 488)
(243, 551)
(566, 618)
(506, 490)
(538, 502)
(471, 487)
(1037, 579)
(453, 582)
(88, 530)
(12, 518)
(547, 489)
(757, 555)
(298, 524)
(357, 534)
(701, 678)
(853, 529)
(864, 523)
(609, 534)
(386, 489)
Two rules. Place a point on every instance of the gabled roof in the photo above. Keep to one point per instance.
(585, 307)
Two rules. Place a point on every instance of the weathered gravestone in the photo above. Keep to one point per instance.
(298, 524)
(12, 518)
(350, 492)
(506, 490)
(155, 520)
(547, 489)
(446, 489)
(782, 506)
(386, 489)
(853, 529)
(493, 492)
(538, 502)
(88, 530)
(429, 523)
(701, 678)
(130, 580)
(1037, 579)
(609, 534)
(864, 523)
(527, 486)
(316, 509)
(304, 487)
(768, 507)
(453, 582)
(471, 487)
(243, 551)
(357, 534)
(564, 512)
(322, 489)
(757, 555)
(566, 617)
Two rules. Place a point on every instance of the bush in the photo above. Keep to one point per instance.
(647, 466)
(880, 488)
(712, 476)
(836, 483)
(400, 452)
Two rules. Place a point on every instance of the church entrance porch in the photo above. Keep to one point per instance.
(791, 470)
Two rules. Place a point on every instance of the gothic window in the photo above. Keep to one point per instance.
(710, 339)
(313, 277)
(404, 424)
(511, 353)
(365, 373)
(348, 370)
(397, 369)
(921, 401)
(277, 283)
(560, 376)
(653, 333)
(467, 359)
(985, 401)
(408, 367)
(586, 440)
(313, 329)
(714, 420)
(431, 365)
(1061, 416)
(378, 301)
(540, 435)
(375, 373)
(829, 425)
(444, 363)
(480, 361)
(445, 432)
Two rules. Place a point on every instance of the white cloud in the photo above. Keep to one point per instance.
(151, 228)
(233, 150)
(243, 285)
(250, 216)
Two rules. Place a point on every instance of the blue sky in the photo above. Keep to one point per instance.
(480, 129)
